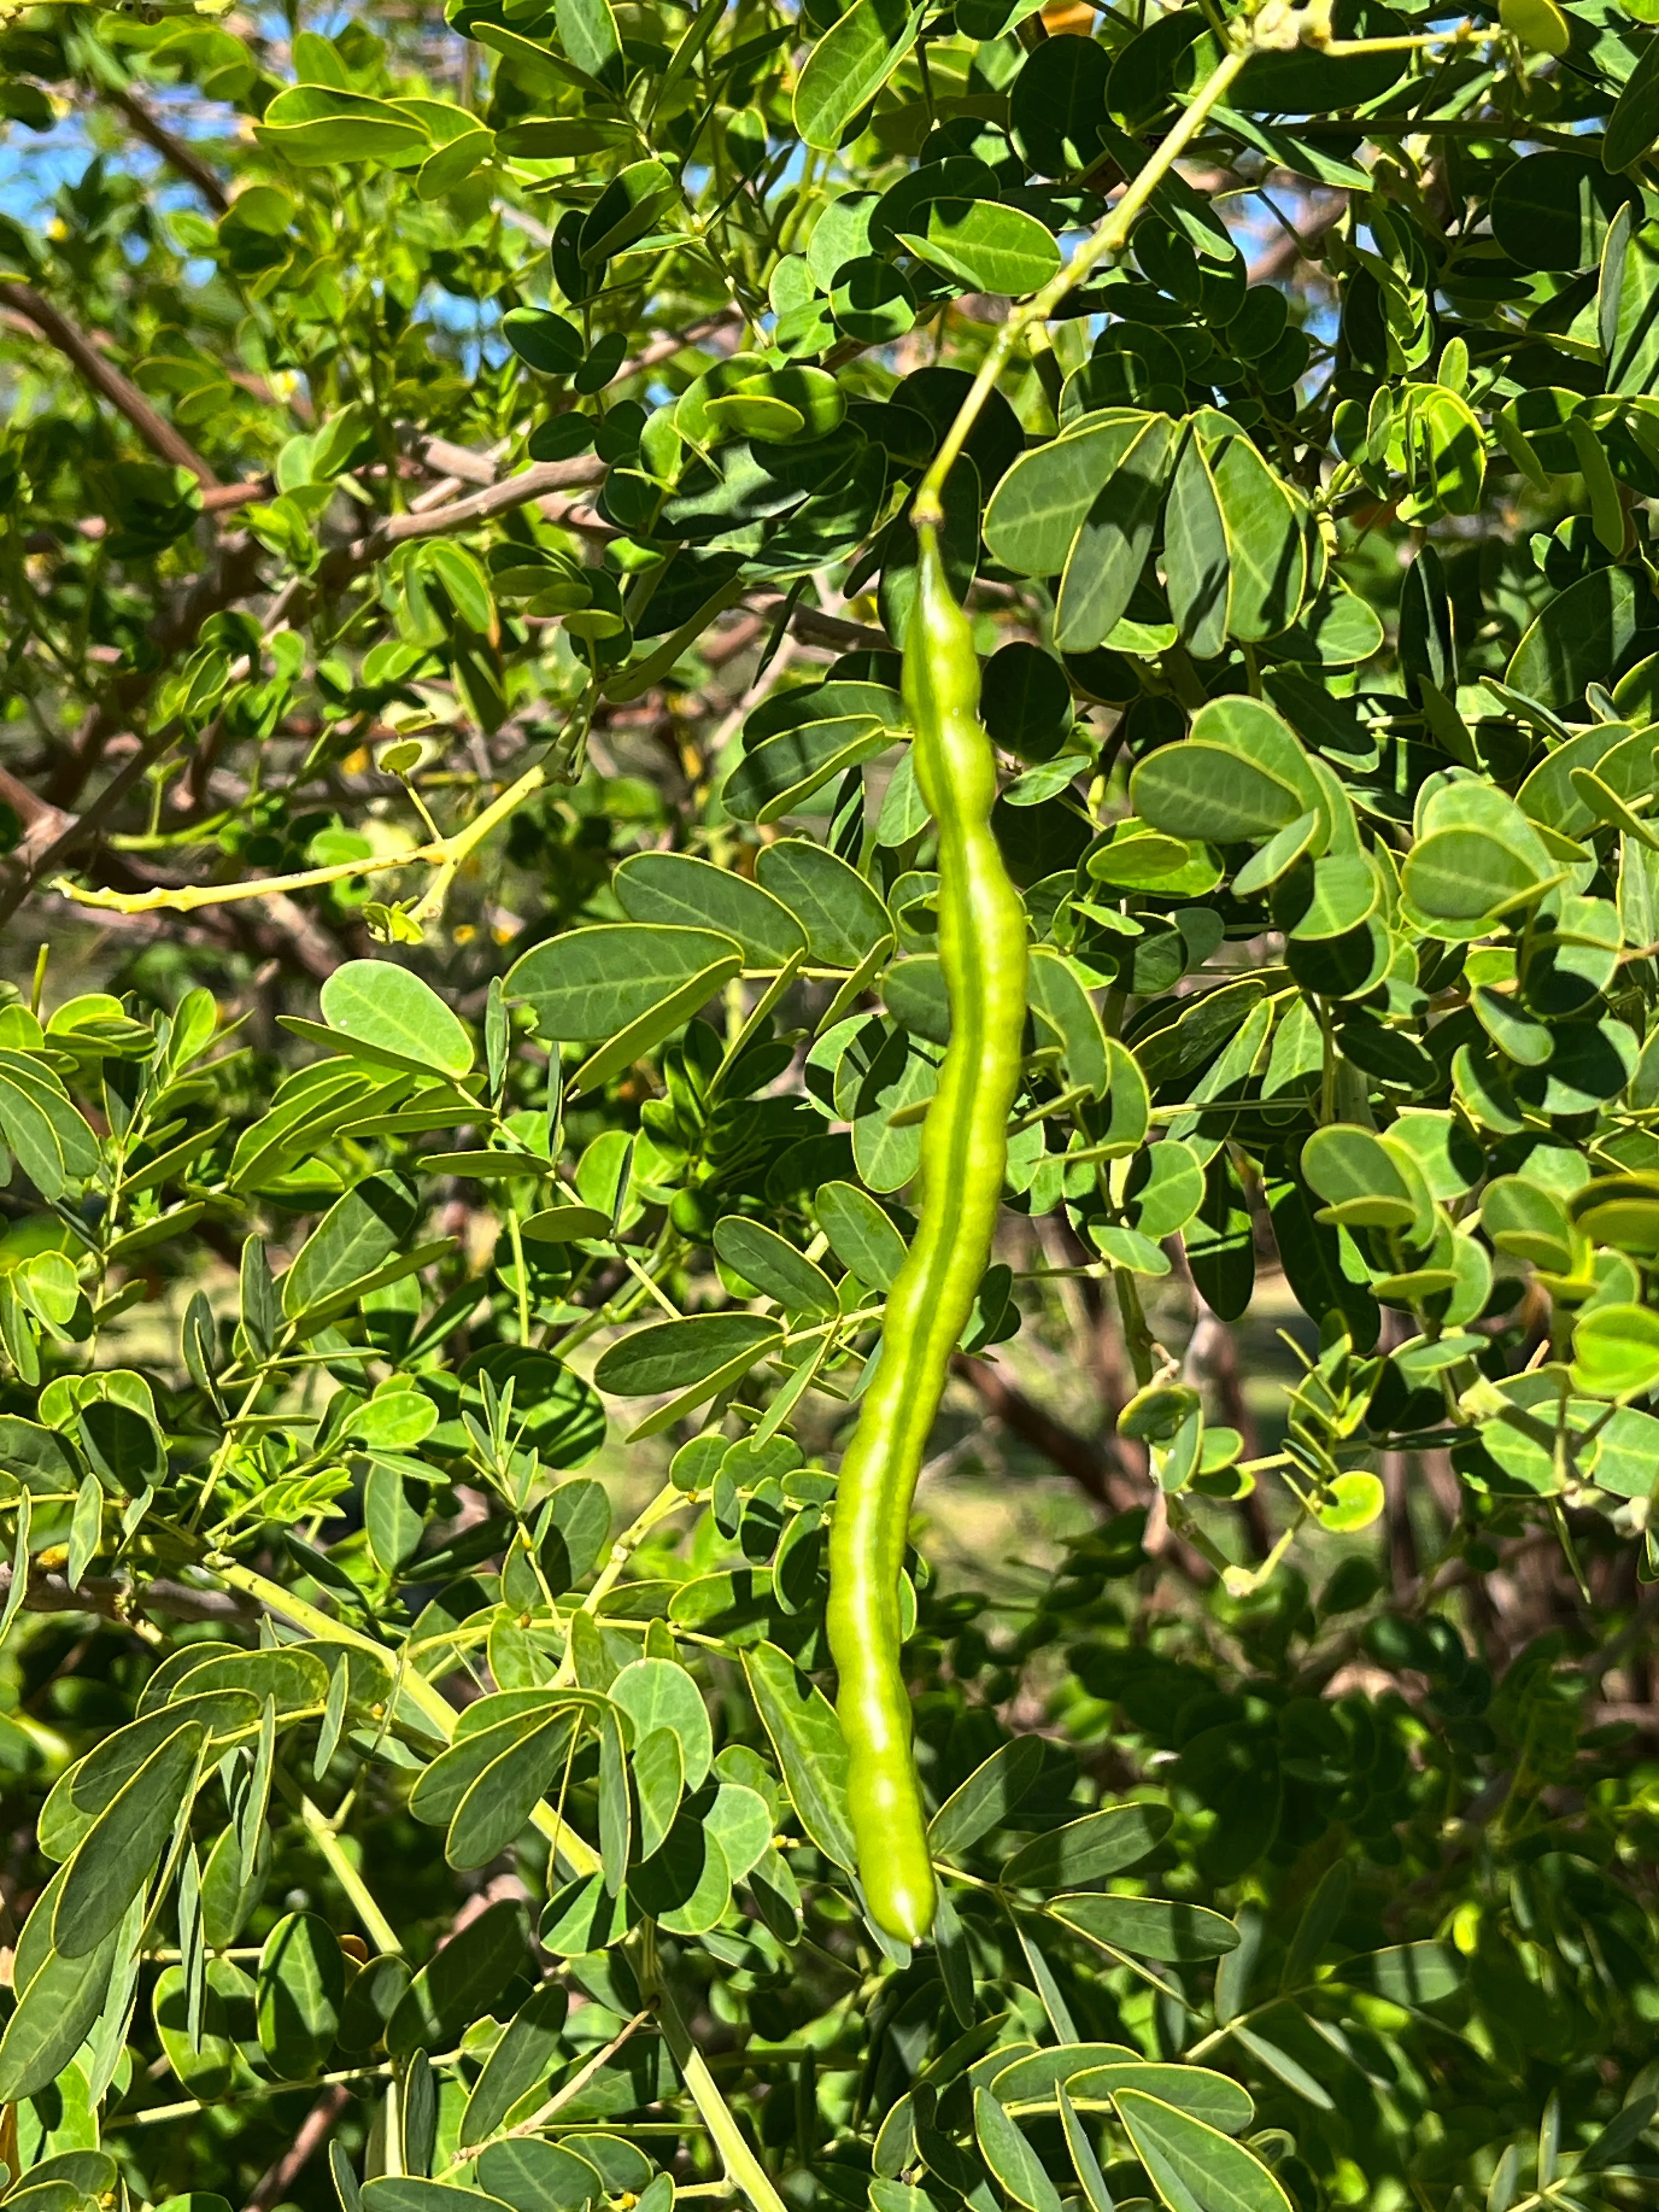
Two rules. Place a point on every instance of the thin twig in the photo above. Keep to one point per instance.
(562, 2095)
(174, 151)
(56, 328)
(112, 1599)
(274, 2183)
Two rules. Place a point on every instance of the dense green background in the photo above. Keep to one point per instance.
(454, 555)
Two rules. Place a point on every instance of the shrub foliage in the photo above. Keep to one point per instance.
(456, 548)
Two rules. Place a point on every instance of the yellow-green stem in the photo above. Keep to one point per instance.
(1111, 237)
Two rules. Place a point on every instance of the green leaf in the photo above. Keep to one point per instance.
(463, 1980)
(584, 1917)
(444, 1784)
(1195, 2168)
(1040, 504)
(676, 888)
(547, 342)
(1112, 542)
(1034, 2077)
(740, 1821)
(615, 1806)
(986, 1798)
(1266, 543)
(587, 32)
(358, 1234)
(649, 1031)
(52, 1144)
(1445, 457)
(1582, 632)
(1197, 561)
(392, 1524)
(872, 301)
(1551, 211)
(1147, 1927)
(1164, 1189)
(564, 1225)
(205, 2066)
(317, 125)
(1337, 631)
(410, 2193)
(496, 1808)
(811, 1752)
(704, 1352)
(841, 916)
(632, 201)
(780, 775)
(1405, 1973)
(1220, 1242)
(656, 1693)
(86, 1791)
(1211, 2098)
(1539, 25)
(849, 65)
(300, 1987)
(1622, 1213)
(1616, 1350)
(914, 994)
(1464, 874)
(294, 1677)
(1055, 102)
(1528, 1222)
(1086, 2163)
(1208, 792)
(60, 2003)
(539, 2176)
(520, 2064)
(116, 1856)
(660, 1784)
(1088, 1850)
(1633, 126)
(686, 1888)
(387, 1004)
(1364, 1187)
(594, 984)
(1354, 1501)
(575, 1534)
(1018, 2170)
(773, 1265)
(86, 1529)
(1055, 991)
(1628, 306)
(987, 246)
(861, 1233)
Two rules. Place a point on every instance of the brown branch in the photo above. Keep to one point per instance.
(114, 1600)
(444, 458)
(1095, 1470)
(274, 2184)
(820, 629)
(157, 433)
(543, 482)
(41, 820)
(232, 575)
(537, 481)
(220, 498)
(654, 355)
(1281, 258)
(174, 151)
